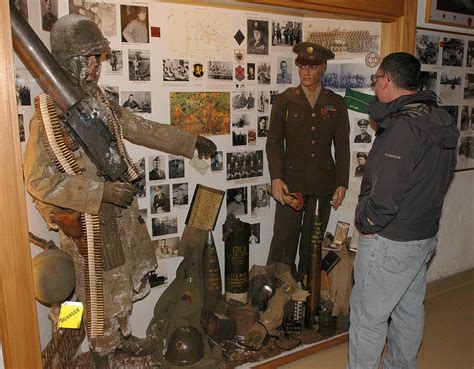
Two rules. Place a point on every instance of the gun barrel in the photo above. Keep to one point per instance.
(41, 64)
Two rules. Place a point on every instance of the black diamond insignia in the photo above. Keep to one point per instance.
(239, 37)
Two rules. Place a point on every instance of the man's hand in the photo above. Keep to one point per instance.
(205, 147)
(118, 193)
(279, 188)
(338, 197)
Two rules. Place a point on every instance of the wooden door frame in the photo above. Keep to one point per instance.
(19, 330)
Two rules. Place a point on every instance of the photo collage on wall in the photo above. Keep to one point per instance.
(448, 70)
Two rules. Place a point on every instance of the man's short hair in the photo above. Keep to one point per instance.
(403, 68)
(363, 122)
(361, 155)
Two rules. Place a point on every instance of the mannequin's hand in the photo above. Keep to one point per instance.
(205, 147)
(338, 197)
(118, 193)
(279, 188)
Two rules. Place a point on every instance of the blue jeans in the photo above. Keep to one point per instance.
(390, 282)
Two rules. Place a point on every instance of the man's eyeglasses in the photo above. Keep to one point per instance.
(374, 77)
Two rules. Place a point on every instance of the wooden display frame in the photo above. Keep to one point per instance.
(19, 331)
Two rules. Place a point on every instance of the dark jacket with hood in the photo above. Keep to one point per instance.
(408, 169)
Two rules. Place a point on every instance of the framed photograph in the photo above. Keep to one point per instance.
(205, 207)
(454, 13)
(342, 229)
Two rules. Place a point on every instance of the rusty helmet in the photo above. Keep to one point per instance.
(53, 276)
(75, 35)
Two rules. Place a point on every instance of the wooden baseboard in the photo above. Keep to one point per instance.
(304, 352)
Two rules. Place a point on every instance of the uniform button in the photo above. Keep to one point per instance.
(313, 142)
(312, 155)
(296, 115)
(313, 114)
(313, 128)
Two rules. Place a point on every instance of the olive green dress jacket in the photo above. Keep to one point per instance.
(300, 139)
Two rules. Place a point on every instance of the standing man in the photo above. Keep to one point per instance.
(305, 122)
(405, 180)
(137, 29)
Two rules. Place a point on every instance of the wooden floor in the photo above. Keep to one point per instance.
(448, 341)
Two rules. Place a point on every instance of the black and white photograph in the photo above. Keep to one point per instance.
(236, 200)
(21, 127)
(470, 54)
(139, 185)
(286, 33)
(450, 86)
(262, 126)
(23, 90)
(254, 238)
(264, 73)
(467, 118)
(257, 37)
(239, 137)
(469, 86)
(273, 96)
(428, 81)
(134, 24)
(453, 110)
(180, 195)
(219, 71)
(465, 153)
(175, 70)
(359, 158)
(259, 200)
(356, 76)
(176, 166)
(240, 120)
(284, 70)
(332, 78)
(139, 65)
(166, 248)
(156, 165)
(160, 199)
(22, 6)
(49, 14)
(427, 48)
(112, 93)
(164, 225)
(114, 64)
(101, 13)
(347, 39)
(363, 135)
(244, 164)
(263, 102)
(137, 101)
(453, 52)
(217, 162)
(243, 100)
(250, 71)
(159, 276)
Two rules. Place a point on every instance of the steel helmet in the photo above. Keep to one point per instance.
(185, 346)
(75, 35)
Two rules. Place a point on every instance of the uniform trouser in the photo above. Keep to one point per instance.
(390, 282)
(289, 225)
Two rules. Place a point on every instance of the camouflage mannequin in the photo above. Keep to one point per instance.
(77, 44)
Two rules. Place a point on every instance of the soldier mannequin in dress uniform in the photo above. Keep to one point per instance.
(305, 122)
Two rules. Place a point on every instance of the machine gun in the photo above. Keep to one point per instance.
(85, 126)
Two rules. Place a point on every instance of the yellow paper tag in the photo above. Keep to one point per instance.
(70, 315)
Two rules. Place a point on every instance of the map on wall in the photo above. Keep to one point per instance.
(348, 40)
(199, 34)
(203, 113)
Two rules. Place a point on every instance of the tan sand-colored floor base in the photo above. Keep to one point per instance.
(449, 330)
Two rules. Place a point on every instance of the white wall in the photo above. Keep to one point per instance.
(455, 252)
